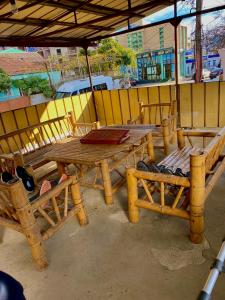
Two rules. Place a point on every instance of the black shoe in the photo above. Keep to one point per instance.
(6, 177)
(27, 179)
(142, 166)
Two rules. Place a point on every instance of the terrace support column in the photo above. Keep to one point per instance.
(90, 79)
(175, 24)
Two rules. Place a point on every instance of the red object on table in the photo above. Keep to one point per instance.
(106, 136)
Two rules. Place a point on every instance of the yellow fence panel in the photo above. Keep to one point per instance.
(211, 104)
(100, 107)
(125, 107)
(222, 104)
(134, 106)
(185, 105)
(91, 106)
(116, 108)
(198, 105)
(107, 107)
(77, 109)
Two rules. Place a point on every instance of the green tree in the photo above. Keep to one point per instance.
(33, 85)
(5, 82)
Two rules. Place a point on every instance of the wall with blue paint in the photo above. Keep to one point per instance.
(14, 92)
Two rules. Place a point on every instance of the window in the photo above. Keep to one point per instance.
(161, 37)
(74, 93)
(214, 62)
(59, 51)
(99, 87)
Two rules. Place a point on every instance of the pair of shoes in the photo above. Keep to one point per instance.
(47, 185)
(142, 166)
(21, 174)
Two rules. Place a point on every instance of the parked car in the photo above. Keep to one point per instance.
(214, 72)
(205, 74)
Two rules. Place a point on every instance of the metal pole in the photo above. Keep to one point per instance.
(175, 25)
(217, 268)
(198, 43)
(90, 79)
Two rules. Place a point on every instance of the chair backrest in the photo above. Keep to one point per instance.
(214, 149)
(155, 113)
(33, 137)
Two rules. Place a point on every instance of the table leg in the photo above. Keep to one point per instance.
(106, 181)
(61, 168)
(150, 147)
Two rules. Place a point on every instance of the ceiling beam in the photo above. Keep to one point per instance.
(97, 20)
(47, 24)
(86, 7)
(32, 42)
(169, 20)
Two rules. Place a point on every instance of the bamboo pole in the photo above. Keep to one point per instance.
(106, 181)
(166, 134)
(18, 159)
(165, 210)
(197, 196)
(166, 178)
(78, 202)
(150, 147)
(132, 196)
(180, 138)
(73, 122)
(28, 223)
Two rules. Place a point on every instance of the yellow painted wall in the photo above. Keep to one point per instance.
(201, 105)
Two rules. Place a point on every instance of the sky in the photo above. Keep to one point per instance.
(208, 20)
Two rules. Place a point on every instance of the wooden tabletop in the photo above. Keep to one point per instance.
(72, 151)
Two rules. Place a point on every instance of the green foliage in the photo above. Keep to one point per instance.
(5, 82)
(33, 85)
(117, 54)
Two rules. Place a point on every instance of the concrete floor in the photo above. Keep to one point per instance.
(113, 259)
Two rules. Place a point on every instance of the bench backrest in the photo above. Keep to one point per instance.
(30, 138)
(156, 113)
(214, 149)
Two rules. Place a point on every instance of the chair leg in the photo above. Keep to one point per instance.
(197, 194)
(76, 196)
(132, 196)
(28, 223)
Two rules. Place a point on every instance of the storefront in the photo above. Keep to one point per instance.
(156, 65)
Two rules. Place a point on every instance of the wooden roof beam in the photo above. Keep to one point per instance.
(46, 23)
(87, 7)
(97, 20)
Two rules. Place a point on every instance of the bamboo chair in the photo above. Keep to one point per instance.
(180, 196)
(162, 119)
(55, 207)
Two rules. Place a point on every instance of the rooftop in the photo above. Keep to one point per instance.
(15, 63)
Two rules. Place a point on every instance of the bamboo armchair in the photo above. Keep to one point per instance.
(180, 196)
(162, 118)
(55, 207)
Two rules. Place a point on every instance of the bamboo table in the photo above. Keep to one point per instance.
(105, 159)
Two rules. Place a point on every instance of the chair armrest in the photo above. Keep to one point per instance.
(200, 132)
(160, 177)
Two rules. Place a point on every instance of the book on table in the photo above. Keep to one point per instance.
(106, 136)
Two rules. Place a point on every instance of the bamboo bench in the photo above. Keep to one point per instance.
(161, 117)
(181, 196)
(27, 146)
(55, 207)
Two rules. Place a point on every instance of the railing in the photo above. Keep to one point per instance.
(201, 105)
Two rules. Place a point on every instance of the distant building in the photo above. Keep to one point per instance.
(57, 51)
(153, 38)
(209, 60)
(19, 64)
